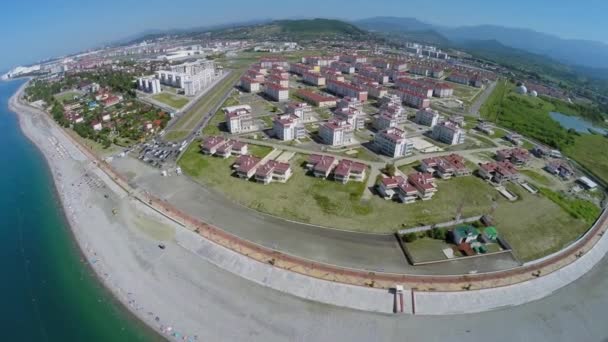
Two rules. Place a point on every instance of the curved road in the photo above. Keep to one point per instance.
(342, 248)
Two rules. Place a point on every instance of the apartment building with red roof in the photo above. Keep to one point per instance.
(348, 170)
(321, 165)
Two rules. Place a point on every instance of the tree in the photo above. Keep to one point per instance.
(390, 170)
(410, 237)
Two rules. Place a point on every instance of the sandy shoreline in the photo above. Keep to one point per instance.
(57, 154)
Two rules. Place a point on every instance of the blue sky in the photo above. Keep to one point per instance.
(34, 29)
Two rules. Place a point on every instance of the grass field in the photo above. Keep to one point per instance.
(534, 225)
(190, 119)
(589, 151)
(465, 93)
(67, 96)
(171, 100)
(538, 178)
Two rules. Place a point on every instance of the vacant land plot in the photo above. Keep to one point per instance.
(465, 93)
(212, 98)
(538, 178)
(171, 100)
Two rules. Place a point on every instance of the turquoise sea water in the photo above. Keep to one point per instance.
(48, 293)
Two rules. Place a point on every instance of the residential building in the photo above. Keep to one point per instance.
(517, 156)
(515, 139)
(424, 183)
(336, 133)
(421, 70)
(448, 133)
(441, 89)
(276, 79)
(375, 75)
(300, 69)
(345, 68)
(192, 77)
(348, 170)
(314, 79)
(485, 127)
(255, 75)
(498, 172)
(245, 166)
(320, 165)
(287, 127)
(445, 167)
(386, 120)
(149, 85)
(459, 78)
(353, 58)
(273, 171)
(413, 99)
(346, 89)
(347, 101)
(427, 117)
(232, 147)
(399, 187)
(560, 168)
(276, 92)
(301, 110)
(239, 118)
(317, 99)
(351, 115)
(270, 62)
(393, 143)
(415, 86)
(250, 85)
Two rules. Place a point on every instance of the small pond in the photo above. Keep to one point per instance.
(577, 123)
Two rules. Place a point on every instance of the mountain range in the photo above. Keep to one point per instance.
(577, 52)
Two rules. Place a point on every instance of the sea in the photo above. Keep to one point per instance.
(48, 292)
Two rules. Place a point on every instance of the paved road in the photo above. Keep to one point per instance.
(348, 249)
(481, 100)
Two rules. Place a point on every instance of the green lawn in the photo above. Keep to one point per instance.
(589, 151)
(360, 153)
(171, 100)
(427, 249)
(67, 96)
(533, 225)
(538, 178)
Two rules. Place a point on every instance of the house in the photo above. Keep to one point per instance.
(245, 166)
(485, 127)
(424, 184)
(448, 133)
(211, 144)
(393, 143)
(464, 234)
(427, 117)
(232, 147)
(397, 187)
(498, 172)
(515, 139)
(320, 165)
(517, 156)
(96, 125)
(317, 99)
(239, 118)
(445, 167)
(348, 170)
(336, 132)
(560, 168)
(273, 171)
(276, 92)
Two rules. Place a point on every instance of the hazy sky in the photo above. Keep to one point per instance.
(34, 29)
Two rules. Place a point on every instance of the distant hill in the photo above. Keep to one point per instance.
(410, 29)
(586, 53)
(294, 29)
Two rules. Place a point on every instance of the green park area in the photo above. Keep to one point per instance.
(465, 93)
(171, 100)
(67, 96)
(530, 116)
(534, 224)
